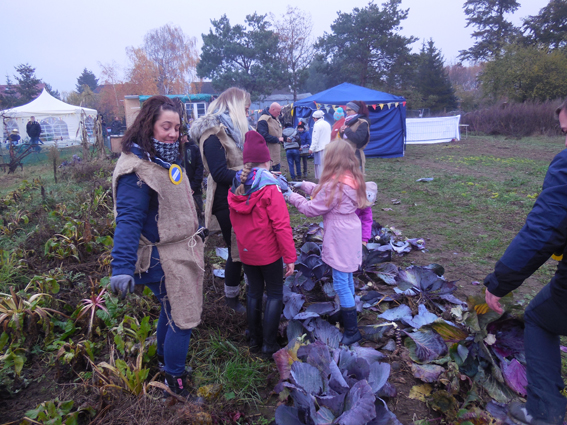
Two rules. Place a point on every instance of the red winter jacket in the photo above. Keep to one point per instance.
(262, 226)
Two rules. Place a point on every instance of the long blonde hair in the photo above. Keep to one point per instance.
(340, 160)
(235, 101)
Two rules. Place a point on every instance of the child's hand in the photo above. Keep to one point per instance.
(289, 268)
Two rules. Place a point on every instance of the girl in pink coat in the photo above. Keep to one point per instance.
(341, 190)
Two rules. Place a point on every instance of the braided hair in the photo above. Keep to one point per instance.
(240, 190)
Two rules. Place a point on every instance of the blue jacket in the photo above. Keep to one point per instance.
(543, 234)
(305, 138)
(137, 208)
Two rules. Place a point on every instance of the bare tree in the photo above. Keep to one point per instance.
(168, 57)
(295, 45)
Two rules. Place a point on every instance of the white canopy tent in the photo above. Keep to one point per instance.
(432, 130)
(59, 121)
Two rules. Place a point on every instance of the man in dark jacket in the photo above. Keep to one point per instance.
(116, 127)
(543, 235)
(271, 130)
(194, 168)
(33, 128)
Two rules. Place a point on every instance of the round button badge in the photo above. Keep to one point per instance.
(175, 174)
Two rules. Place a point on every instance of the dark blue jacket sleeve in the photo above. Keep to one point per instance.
(199, 168)
(132, 203)
(544, 233)
(265, 132)
(216, 159)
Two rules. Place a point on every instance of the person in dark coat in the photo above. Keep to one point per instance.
(193, 163)
(356, 129)
(221, 138)
(156, 241)
(116, 127)
(543, 236)
(33, 128)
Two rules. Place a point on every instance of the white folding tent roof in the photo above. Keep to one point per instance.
(59, 120)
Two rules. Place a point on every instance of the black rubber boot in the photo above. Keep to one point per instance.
(272, 314)
(235, 305)
(177, 386)
(161, 363)
(254, 316)
(351, 333)
(335, 318)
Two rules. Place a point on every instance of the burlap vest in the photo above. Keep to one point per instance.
(275, 129)
(234, 162)
(360, 152)
(181, 254)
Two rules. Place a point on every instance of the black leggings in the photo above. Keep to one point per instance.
(232, 269)
(271, 274)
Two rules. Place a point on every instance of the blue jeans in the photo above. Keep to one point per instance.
(172, 342)
(344, 287)
(545, 319)
(293, 157)
(34, 141)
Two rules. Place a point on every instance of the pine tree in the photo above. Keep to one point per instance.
(493, 31)
(27, 83)
(52, 91)
(432, 82)
(86, 78)
(549, 26)
(10, 97)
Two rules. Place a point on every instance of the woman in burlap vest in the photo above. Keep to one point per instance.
(356, 129)
(156, 242)
(221, 138)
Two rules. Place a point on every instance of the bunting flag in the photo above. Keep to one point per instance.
(335, 107)
(374, 106)
(390, 105)
(381, 106)
(404, 103)
(328, 108)
(397, 103)
(318, 106)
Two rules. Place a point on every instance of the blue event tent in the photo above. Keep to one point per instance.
(387, 116)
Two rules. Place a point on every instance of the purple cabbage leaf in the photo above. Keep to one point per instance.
(425, 345)
(359, 405)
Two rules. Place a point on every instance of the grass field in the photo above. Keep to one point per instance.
(481, 192)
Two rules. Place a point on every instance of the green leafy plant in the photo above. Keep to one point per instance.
(71, 351)
(14, 310)
(122, 375)
(14, 357)
(49, 282)
(131, 335)
(55, 412)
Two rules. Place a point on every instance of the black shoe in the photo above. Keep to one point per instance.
(177, 386)
(161, 363)
(235, 305)
(254, 316)
(351, 333)
(272, 314)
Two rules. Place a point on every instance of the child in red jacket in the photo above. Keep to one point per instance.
(261, 223)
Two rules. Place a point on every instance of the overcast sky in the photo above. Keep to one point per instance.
(61, 37)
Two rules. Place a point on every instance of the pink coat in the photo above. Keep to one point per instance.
(365, 216)
(342, 247)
